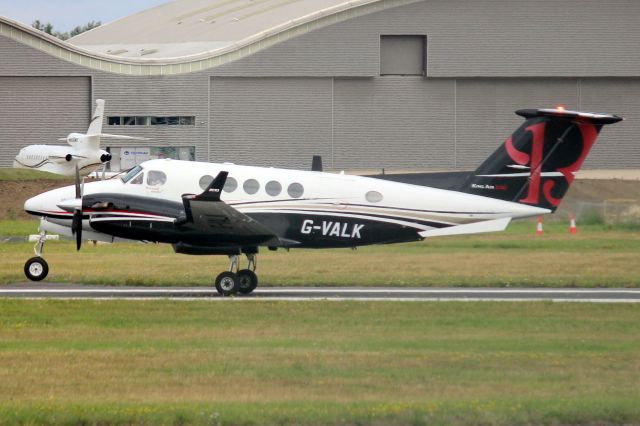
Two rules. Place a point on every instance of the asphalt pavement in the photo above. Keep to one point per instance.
(74, 291)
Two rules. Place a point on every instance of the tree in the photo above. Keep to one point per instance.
(48, 28)
(89, 26)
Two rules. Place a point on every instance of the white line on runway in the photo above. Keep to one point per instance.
(323, 290)
(343, 299)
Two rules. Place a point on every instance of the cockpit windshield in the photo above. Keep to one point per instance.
(131, 174)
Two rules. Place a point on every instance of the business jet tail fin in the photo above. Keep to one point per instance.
(95, 127)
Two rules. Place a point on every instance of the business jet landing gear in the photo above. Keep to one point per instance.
(36, 268)
(244, 281)
(247, 278)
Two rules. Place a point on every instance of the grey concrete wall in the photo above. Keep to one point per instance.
(17, 59)
(39, 110)
(183, 95)
(619, 145)
(280, 122)
(480, 38)
(393, 122)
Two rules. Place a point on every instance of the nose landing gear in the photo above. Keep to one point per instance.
(36, 268)
(244, 281)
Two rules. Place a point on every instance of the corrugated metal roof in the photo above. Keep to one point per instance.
(188, 27)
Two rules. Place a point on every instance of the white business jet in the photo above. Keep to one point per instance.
(227, 209)
(83, 151)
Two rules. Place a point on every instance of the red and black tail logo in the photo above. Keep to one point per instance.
(537, 163)
(564, 166)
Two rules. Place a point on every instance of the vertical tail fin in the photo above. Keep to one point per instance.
(537, 163)
(95, 127)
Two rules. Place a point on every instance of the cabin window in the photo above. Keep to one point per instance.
(131, 173)
(273, 188)
(251, 186)
(156, 178)
(205, 181)
(295, 190)
(373, 196)
(230, 185)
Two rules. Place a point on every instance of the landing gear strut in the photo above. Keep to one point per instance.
(233, 281)
(36, 268)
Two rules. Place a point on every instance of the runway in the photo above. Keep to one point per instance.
(70, 291)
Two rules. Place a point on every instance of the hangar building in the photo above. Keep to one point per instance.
(399, 84)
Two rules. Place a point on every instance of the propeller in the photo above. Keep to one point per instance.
(76, 223)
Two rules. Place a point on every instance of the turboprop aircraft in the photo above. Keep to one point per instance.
(227, 209)
(83, 152)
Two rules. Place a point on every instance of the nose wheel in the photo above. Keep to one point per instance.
(243, 281)
(36, 268)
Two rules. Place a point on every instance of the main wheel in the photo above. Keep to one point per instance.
(227, 284)
(247, 280)
(36, 268)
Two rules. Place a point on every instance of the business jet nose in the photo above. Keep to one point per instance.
(46, 204)
(35, 205)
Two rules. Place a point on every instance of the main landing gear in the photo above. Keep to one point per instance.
(233, 281)
(36, 268)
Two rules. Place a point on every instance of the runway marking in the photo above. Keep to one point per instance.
(379, 294)
(342, 299)
(205, 290)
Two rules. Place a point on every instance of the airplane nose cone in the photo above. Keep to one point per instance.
(34, 205)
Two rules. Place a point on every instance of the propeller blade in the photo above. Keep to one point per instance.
(79, 238)
(78, 193)
(76, 227)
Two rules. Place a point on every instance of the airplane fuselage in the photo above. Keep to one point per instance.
(302, 208)
(59, 159)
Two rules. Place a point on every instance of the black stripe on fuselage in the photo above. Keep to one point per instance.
(246, 203)
(35, 166)
(364, 215)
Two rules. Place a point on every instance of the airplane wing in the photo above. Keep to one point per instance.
(208, 214)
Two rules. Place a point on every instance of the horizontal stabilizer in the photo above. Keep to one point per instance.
(132, 138)
(108, 136)
(495, 225)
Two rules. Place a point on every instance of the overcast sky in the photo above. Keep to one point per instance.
(67, 14)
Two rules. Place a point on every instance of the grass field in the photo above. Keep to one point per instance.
(205, 362)
(597, 256)
(9, 174)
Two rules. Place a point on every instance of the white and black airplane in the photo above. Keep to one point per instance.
(82, 152)
(227, 209)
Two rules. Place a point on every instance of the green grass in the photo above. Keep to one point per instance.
(26, 174)
(205, 362)
(598, 256)
(18, 228)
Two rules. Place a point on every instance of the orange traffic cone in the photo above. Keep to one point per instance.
(539, 230)
(572, 226)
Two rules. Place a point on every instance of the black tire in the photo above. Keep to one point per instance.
(36, 268)
(227, 284)
(247, 281)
